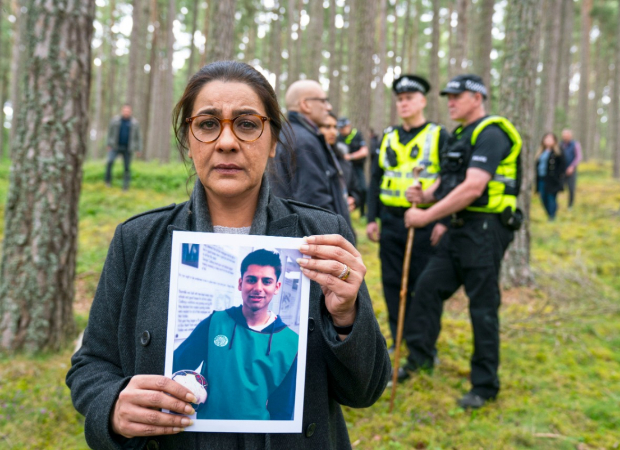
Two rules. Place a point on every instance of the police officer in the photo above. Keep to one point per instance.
(478, 186)
(358, 153)
(414, 143)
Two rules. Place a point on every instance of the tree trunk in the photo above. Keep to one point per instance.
(461, 36)
(517, 104)
(584, 68)
(566, 62)
(404, 51)
(432, 109)
(2, 87)
(292, 70)
(192, 47)
(615, 105)
(552, 65)
(276, 48)
(335, 90)
(97, 136)
(17, 65)
(360, 105)
(485, 45)
(315, 35)
(168, 85)
(111, 62)
(40, 246)
(378, 122)
(223, 31)
(205, 33)
(414, 52)
(392, 99)
(136, 78)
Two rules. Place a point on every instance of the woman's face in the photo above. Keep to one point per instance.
(548, 141)
(228, 167)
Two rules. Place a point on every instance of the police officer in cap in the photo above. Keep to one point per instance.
(414, 143)
(477, 187)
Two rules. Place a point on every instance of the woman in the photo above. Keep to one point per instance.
(550, 168)
(228, 124)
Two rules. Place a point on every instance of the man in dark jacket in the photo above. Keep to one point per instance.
(313, 177)
(124, 139)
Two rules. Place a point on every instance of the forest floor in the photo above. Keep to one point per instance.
(560, 368)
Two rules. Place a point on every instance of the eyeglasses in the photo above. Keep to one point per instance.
(319, 99)
(246, 127)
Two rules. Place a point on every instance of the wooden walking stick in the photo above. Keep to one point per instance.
(403, 297)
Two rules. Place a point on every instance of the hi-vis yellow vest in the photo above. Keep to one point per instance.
(504, 186)
(422, 150)
(350, 137)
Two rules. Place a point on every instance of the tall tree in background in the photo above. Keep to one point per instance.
(460, 52)
(2, 87)
(222, 39)
(615, 103)
(565, 64)
(38, 262)
(432, 110)
(315, 33)
(485, 45)
(359, 105)
(17, 62)
(584, 67)
(333, 63)
(378, 116)
(158, 137)
(516, 103)
(192, 46)
(552, 63)
(276, 47)
(136, 78)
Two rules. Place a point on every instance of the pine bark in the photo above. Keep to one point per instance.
(615, 105)
(136, 78)
(485, 45)
(565, 66)
(223, 31)
(2, 87)
(332, 67)
(552, 65)
(205, 32)
(412, 63)
(192, 47)
(584, 68)
(315, 35)
(276, 48)
(432, 109)
(461, 36)
(517, 104)
(17, 64)
(38, 262)
(378, 121)
(360, 102)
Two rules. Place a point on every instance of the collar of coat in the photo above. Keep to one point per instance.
(272, 217)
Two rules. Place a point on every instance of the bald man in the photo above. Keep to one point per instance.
(314, 178)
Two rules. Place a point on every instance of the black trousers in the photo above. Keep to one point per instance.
(392, 244)
(112, 154)
(471, 256)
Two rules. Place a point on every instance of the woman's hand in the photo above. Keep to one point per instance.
(136, 411)
(329, 255)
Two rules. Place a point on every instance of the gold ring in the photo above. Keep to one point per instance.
(346, 271)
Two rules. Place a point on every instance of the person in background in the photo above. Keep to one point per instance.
(416, 142)
(311, 175)
(358, 154)
(478, 186)
(124, 139)
(550, 170)
(340, 149)
(571, 149)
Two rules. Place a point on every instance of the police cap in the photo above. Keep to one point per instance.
(466, 82)
(343, 122)
(411, 83)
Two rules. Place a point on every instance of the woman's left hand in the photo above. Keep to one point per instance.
(338, 267)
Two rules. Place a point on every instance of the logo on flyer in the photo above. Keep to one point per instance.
(220, 340)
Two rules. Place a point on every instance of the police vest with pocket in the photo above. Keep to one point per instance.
(398, 161)
(503, 189)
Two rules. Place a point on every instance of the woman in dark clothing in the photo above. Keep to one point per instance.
(228, 123)
(550, 168)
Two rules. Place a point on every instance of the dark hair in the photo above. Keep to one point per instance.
(262, 257)
(233, 72)
(331, 114)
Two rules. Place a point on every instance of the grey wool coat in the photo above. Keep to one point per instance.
(126, 332)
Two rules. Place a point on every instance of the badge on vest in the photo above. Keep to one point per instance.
(220, 340)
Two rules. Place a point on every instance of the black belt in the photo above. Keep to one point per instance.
(397, 211)
(459, 218)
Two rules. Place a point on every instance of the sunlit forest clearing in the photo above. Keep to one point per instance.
(560, 365)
